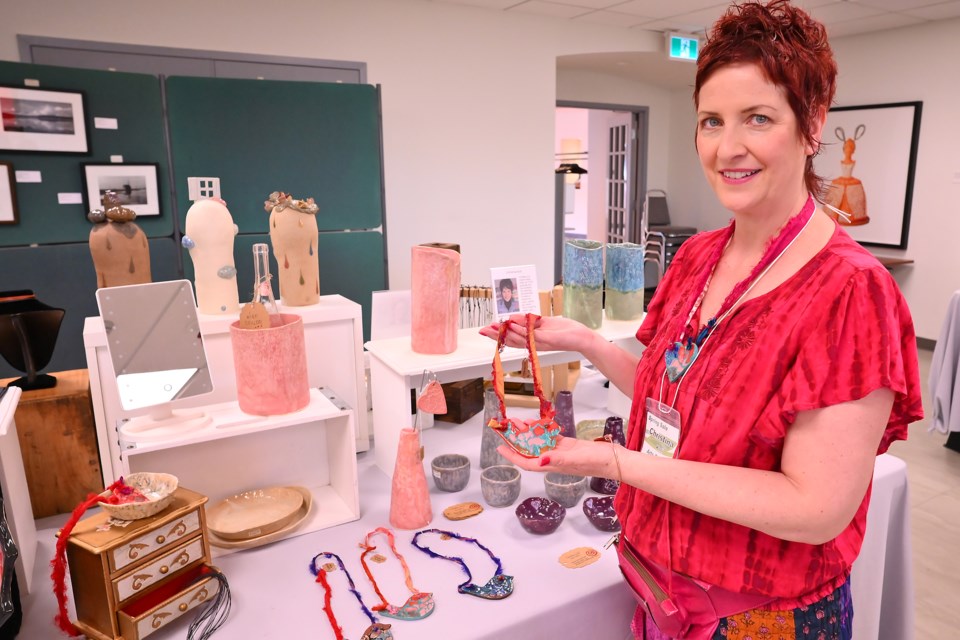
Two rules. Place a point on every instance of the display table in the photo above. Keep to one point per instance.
(395, 369)
(275, 597)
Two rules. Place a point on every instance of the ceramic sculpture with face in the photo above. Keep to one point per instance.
(294, 235)
(209, 234)
(118, 246)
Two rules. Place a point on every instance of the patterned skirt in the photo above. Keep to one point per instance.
(830, 618)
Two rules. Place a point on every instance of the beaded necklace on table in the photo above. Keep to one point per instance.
(497, 588)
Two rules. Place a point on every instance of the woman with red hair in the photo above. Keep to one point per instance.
(780, 360)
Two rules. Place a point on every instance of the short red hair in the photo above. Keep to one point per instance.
(790, 48)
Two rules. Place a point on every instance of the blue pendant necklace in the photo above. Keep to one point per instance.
(376, 631)
(497, 588)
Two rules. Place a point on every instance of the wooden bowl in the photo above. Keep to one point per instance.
(157, 487)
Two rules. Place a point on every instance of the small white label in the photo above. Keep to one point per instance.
(31, 82)
(70, 198)
(105, 123)
(28, 176)
(116, 159)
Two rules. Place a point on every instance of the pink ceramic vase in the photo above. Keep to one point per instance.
(434, 298)
(271, 366)
(409, 497)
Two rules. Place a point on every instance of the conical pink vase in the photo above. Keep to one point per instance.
(409, 497)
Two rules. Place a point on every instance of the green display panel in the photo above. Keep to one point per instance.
(308, 139)
(352, 264)
(63, 276)
(130, 100)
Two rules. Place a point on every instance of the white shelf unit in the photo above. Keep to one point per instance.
(333, 331)
(311, 448)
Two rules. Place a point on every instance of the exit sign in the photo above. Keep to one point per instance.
(682, 47)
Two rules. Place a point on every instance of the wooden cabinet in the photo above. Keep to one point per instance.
(130, 579)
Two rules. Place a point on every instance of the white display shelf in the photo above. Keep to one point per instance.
(395, 369)
(16, 496)
(333, 332)
(311, 448)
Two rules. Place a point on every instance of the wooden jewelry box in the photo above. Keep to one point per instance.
(133, 578)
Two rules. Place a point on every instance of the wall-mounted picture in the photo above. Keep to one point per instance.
(42, 120)
(135, 186)
(867, 159)
(8, 195)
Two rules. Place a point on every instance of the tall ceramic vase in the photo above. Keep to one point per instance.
(563, 404)
(624, 281)
(409, 496)
(208, 237)
(294, 235)
(583, 281)
(434, 298)
(614, 429)
(489, 441)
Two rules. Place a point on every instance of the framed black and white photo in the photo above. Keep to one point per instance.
(135, 186)
(42, 120)
(8, 195)
(867, 159)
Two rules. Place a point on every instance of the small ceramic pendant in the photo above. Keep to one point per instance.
(679, 357)
(418, 606)
(431, 399)
(377, 631)
(497, 588)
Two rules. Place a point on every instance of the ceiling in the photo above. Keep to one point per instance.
(841, 17)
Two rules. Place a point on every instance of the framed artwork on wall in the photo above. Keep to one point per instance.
(8, 195)
(868, 159)
(134, 184)
(42, 120)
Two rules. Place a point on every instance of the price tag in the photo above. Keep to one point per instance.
(254, 316)
(462, 511)
(579, 557)
(378, 558)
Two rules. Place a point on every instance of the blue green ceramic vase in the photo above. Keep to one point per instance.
(583, 281)
(624, 281)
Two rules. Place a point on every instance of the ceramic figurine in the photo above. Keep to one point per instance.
(845, 192)
(118, 246)
(209, 233)
(435, 298)
(294, 235)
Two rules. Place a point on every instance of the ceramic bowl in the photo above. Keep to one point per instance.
(451, 471)
(606, 486)
(590, 429)
(564, 488)
(158, 488)
(540, 515)
(500, 485)
(600, 513)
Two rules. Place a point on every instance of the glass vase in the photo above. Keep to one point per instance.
(624, 281)
(583, 281)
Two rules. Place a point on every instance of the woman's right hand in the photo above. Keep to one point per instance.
(552, 333)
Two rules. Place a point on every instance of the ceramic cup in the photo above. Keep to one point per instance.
(564, 488)
(451, 471)
(540, 515)
(500, 485)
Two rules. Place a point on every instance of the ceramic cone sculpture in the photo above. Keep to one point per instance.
(434, 298)
(294, 234)
(118, 246)
(208, 237)
(409, 497)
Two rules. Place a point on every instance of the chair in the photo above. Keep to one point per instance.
(658, 220)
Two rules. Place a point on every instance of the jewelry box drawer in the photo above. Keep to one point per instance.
(164, 535)
(158, 608)
(140, 578)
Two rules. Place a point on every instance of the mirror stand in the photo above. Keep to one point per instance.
(163, 423)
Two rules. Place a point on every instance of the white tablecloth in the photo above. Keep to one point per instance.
(275, 596)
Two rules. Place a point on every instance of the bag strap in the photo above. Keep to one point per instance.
(546, 409)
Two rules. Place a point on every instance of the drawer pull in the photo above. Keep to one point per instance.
(178, 529)
(140, 578)
(158, 619)
(164, 569)
(161, 539)
(183, 606)
(201, 595)
(135, 549)
(183, 559)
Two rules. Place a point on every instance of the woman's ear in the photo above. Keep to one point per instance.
(816, 132)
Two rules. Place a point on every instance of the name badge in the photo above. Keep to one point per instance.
(662, 432)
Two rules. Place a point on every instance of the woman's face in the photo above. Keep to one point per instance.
(507, 294)
(748, 142)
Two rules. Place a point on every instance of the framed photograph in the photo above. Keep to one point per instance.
(868, 158)
(8, 195)
(134, 184)
(42, 120)
(515, 290)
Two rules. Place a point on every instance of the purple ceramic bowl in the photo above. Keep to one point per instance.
(540, 515)
(600, 513)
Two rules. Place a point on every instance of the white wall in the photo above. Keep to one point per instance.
(468, 99)
(912, 63)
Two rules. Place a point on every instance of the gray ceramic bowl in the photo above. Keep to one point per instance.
(564, 488)
(451, 471)
(500, 485)
(540, 515)
(600, 513)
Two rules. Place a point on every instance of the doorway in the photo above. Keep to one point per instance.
(605, 203)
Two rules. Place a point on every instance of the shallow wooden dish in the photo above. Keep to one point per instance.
(299, 518)
(254, 513)
(157, 487)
